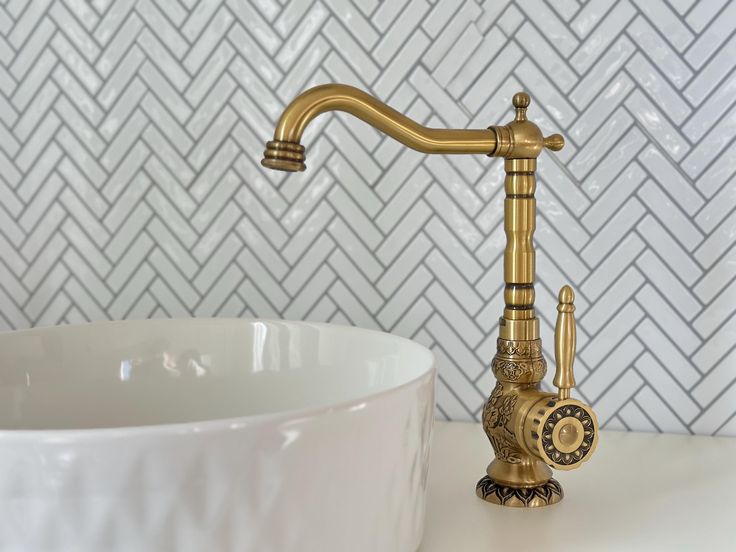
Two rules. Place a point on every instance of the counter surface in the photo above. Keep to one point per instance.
(640, 491)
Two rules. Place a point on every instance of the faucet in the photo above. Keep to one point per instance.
(529, 430)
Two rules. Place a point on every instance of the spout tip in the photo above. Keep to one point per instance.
(284, 156)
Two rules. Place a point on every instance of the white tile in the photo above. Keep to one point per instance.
(667, 318)
(596, 43)
(670, 215)
(130, 183)
(659, 412)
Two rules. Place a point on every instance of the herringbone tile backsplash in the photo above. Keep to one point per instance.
(130, 135)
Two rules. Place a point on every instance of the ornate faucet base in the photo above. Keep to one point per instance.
(521, 497)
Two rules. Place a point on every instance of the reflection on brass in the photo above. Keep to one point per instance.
(529, 430)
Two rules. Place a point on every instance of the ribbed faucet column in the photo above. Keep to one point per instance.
(520, 211)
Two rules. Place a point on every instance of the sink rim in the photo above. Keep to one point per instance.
(219, 424)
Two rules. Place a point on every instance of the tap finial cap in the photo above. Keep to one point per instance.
(521, 101)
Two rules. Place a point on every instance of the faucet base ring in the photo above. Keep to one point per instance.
(519, 497)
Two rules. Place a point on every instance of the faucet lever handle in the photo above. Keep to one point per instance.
(565, 337)
(554, 142)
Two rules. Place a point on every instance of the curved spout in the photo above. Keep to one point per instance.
(286, 153)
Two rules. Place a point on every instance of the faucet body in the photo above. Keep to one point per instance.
(529, 430)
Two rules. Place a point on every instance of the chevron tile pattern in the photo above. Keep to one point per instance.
(130, 135)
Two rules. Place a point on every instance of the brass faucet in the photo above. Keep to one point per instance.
(529, 430)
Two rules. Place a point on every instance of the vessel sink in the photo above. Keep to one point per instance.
(213, 435)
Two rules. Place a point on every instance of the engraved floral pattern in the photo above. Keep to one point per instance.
(511, 371)
(496, 415)
(527, 349)
(519, 372)
(542, 495)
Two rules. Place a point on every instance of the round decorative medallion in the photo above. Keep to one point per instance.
(568, 436)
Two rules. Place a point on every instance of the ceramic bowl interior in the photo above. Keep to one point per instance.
(120, 374)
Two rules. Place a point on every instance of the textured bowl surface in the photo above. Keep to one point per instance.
(213, 435)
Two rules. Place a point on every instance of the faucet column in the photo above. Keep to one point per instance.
(530, 430)
(519, 321)
(517, 476)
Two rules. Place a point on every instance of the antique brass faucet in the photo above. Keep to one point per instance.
(529, 430)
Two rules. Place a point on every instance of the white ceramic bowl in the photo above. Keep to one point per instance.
(213, 435)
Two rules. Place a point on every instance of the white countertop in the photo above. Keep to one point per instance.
(640, 491)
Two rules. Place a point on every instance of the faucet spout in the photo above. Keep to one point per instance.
(286, 153)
